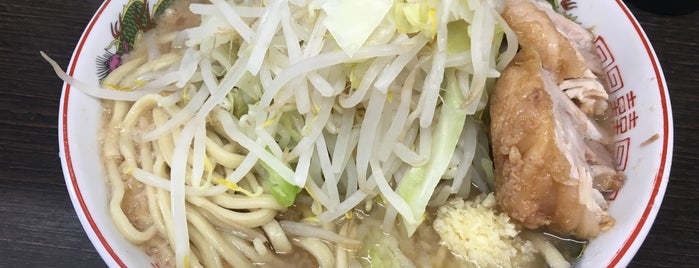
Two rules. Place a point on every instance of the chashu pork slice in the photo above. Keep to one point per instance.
(566, 49)
(548, 154)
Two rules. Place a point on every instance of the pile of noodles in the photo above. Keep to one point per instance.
(321, 105)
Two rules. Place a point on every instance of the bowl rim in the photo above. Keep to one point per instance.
(621, 258)
(98, 240)
(661, 178)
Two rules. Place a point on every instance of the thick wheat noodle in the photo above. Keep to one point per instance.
(213, 136)
(152, 194)
(194, 261)
(251, 252)
(223, 156)
(264, 250)
(137, 110)
(146, 158)
(247, 249)
(122, 223)
(110, 146)
(117, 187)
(127, 150)
(165, 142)
(207, 252)
(319, 250)
(252, 182)
(277, 236)
(165, 211)
(157, 218)
(152, 65)
(232, 255)
(148, 163)
(178, 118)
(247, 219)
(118, 74)
(238, 201)
(249, 234)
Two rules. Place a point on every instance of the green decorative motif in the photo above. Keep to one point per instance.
(135, 19)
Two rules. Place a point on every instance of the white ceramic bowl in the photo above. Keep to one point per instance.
(642, 119)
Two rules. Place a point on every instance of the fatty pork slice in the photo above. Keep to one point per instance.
(547, 153)
(566, 49)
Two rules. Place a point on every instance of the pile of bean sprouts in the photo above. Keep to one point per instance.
(267, 104)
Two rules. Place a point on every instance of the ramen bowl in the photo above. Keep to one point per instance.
(640, 116)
